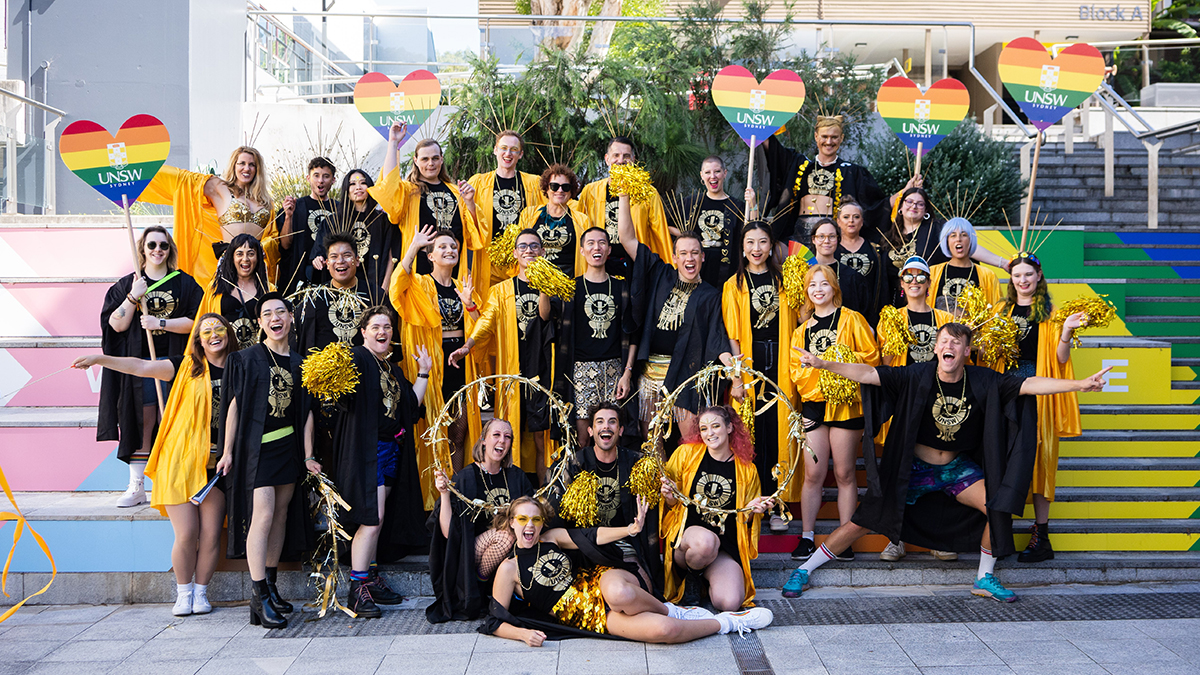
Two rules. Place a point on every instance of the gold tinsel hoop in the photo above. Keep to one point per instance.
(560, 413)
(660, 428)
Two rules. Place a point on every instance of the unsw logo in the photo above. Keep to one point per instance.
(397, 100)
(118, 158)
(758, 100)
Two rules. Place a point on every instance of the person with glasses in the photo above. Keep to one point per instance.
(649, 218)
(240, 281)
(1045, 351)
(184, 458)
(856, 295)
(717, 216)
(862, 256)
(302, 223)
(832, 429)
(267, 427)
(500, 198)
(514, 324)
(466, 550)
(556, 221)
(128, 410)
(559, 598)
(950, 279)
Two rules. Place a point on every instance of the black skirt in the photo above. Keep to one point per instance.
(278, 462)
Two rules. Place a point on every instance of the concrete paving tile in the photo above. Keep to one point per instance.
(63, 614)
(70, 667)
(48, 632)
(268, 665)
(789, 647)
(966, 670)
(831, 593)
(15, 667)
(442, 663)
(894, 592)
(94, 650)
(820, 635)
(136, 666)
(167, 649)
(249, 648)
(871, 669)
(1016, 631)
(859, 655)
(592, 645)
(717, 642)
(799, 669)
(1130, 652)
(117, 630)
(1098, 630)
(930, 632)
(332, 648)
(1169, 628)
(199, 627)
(1187, 648)
(26, 650)
(344, 665)
(603, 663)
(1089, 668)
(950, 654)
(691, 661)
(1039, 652)
(532, 661)
(434, 644)
(1160, 668)
(491, 643)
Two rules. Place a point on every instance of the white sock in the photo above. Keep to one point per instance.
(673, 610)
(726, 625)
(184, 589)
(137, 471)
(808, 534)
(200, 590)
(987, 563)
(818, 558)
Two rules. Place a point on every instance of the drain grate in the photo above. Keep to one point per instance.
(751, 658)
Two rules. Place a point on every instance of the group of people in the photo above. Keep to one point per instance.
(406, 272)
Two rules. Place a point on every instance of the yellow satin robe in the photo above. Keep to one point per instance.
(852, 331)
(179, 459)
(649, 219)
(401, 201)
(484, 183)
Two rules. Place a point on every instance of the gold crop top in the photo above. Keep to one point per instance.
(239, 212)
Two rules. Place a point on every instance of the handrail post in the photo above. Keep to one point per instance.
(1085, 122)
(50, 171)
(1108, 153)
(1152, 183)
(1026, 167)
(989, 116)
(10, 170)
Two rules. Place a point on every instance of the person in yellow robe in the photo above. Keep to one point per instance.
(210, 211)
(700, 546)
(949, 279)
(557, 222)
(184, 457)
(760, 328)
(514, 325)
(500, 197)
(1045, 352)
(831, 429)
(438, 312)
(426, 196)
(649, 218)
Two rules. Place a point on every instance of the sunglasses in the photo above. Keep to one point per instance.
(559, 187)
(209, 333)
(914, 278)
(152, 245)
(525, 520)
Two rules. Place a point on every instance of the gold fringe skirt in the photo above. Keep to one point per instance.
(650, 388)
(582, 606)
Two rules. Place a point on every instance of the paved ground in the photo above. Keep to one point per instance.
(132, 639)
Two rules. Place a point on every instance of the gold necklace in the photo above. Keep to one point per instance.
(767, 304)
(671, 315)
(948, 286)
(487, 491)
(536, 558)
(949, 413)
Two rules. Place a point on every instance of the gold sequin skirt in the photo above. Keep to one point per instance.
(582, 606)
(650, 388)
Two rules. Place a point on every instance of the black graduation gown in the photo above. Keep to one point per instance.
(875, 282)
(355, 459)
(1006, 457)
(701, 338)
(459, 594)
(247, 378)
(382, 243)
(120, 408)
(648, 555)
(784, 164)
(295, 262)
(856, 295)
(562, 318)
(308, 311)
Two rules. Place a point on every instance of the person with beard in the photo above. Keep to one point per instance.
(374, 465)
(959, 457)
(649, 218)
(465, 550)
(557, 222)
(514, 324)
(234, 293)
(426, 196)
(826, 237)
(128, 410)
(300, 223)
(500, 197)
(616, 504)
(378, 242)
(681, 327)
(594, 357)
(717, 216)
(948, 280)
(862, 256)
(262, 406)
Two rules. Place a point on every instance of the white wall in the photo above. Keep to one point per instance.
(216, 54)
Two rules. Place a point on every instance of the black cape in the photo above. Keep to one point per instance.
(784, 164)
(875, 284)
(312, 313)
(247, 379)
(295, 262)
(937, 521)
(856, 294)
(701, 338)
(648, 555)
(355, 460)
(120, 410)
(459, 594)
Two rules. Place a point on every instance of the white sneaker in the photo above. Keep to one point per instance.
(751, 619)
(135, 495)
(893, 552)
(687, 613)
(183, 604)
(778, 524)
(945, 556)
(200, 603)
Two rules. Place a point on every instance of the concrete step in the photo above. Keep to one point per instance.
(25, 417)
(1138, 436)
(1186, 362)
(1062, 525)
(1127, 494)
(1161, 319)
(58, 342)
(1184, 384)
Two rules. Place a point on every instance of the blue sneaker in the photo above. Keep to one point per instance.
(796, 583)
(990, 587)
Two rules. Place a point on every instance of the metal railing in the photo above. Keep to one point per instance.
(14, 137)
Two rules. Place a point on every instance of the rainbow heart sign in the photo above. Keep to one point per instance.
(411, 102)
(1045, 88)
(922, 118)
(117, 166)
(754, 108)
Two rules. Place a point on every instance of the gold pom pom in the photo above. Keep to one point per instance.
(632, 180)
(974, 306)
(794, 269)
(1099, 313)
(645, 479)
(545, 277)
(895, 335)
(998, 341)
(579, 502)
(329, 373)
(838, 390)
(501, 250)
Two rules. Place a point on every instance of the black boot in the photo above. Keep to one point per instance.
(282, 606)
(693, 585)
(360, 602)
(381, 593)
(1039, 548)
(261, 611)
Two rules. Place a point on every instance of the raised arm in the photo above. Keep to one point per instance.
(625, 228)
(1043, 386)
(858, 372)
(391, 158)
(424, 364)
(159, 370)
(604, 535)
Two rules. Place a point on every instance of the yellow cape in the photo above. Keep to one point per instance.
(940, 318)
(649, 219)
(484, 183)
(987, 282)
(401, 201)
(852, 331)
(179, 460)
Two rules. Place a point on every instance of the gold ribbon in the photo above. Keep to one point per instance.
(21, 524)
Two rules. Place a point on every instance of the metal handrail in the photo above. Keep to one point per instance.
(37, 104)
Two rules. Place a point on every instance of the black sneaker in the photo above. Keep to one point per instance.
(1039, 549)
(360, 601)
(804, 549)
(693, 589)
(381, 593)
(845, 556)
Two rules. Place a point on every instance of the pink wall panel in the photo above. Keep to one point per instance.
(70, 388)
(73, 253)
(50, 458)
(63, 309)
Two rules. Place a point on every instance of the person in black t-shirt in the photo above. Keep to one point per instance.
(557, 221)
(826, 237)
(862, 256)
(332, 311)
(958, 462)
(300, 222)
(717, 216)
(377, 240)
